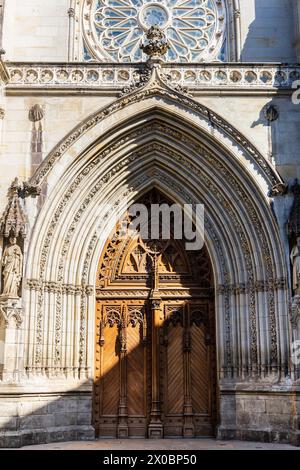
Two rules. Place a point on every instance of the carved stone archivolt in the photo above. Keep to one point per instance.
(177, 161)
(155, 86)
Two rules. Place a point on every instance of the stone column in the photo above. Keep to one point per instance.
(71, 13)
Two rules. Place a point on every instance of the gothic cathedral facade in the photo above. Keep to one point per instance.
(107, 333)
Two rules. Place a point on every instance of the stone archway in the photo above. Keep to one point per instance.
(156, 136)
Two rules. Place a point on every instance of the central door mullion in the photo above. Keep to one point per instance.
(188, 428)
(155, 429)
(123, 411)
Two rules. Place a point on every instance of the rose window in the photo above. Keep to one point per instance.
(115, 29)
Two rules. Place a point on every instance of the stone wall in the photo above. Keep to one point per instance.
(45, 417)
(262, 415)
(267, 30)
(36, 30)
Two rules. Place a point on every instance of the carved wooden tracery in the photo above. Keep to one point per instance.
(155, 352)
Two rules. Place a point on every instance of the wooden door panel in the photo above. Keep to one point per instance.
(185, 361)
(136, 373)
(174, 373)
(110, 373)
(200, 371)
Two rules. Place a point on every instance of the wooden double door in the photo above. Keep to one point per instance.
(155, 368)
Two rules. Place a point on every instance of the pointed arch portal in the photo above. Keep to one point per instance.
(156, 137)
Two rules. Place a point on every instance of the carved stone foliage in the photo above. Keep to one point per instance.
(258, 286)
(174, 315)
(157, 44)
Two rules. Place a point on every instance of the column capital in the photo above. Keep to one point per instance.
(11, 311)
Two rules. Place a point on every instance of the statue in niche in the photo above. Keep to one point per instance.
(12, 265)
(295, 259)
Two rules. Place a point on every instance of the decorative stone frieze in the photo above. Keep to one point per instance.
(258, 286)
(199, 77)
(55, 287)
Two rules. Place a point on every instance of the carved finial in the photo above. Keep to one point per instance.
(13, 222)
(36, 113)
(157, 44)
(279, 189)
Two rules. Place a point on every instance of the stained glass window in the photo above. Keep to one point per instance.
(196, 29)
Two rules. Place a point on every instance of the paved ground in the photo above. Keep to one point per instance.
(166, 444)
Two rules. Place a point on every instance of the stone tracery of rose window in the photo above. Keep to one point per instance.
(113, 30)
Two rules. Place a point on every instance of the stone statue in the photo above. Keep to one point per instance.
(12, 264)
(295, 259)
